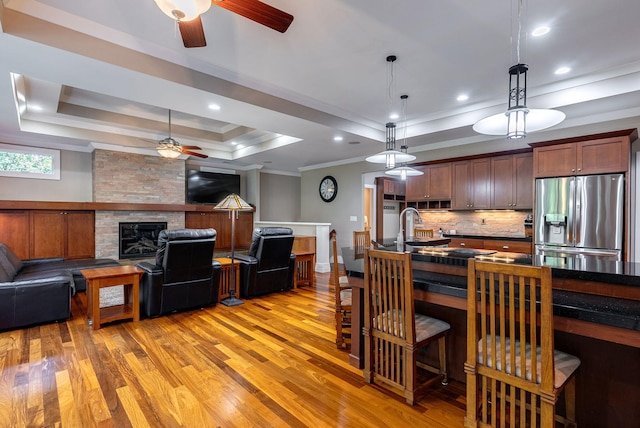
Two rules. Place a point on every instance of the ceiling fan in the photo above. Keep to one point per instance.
(170, 148)
(187, 14)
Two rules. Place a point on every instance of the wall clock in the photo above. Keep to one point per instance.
(328, 188)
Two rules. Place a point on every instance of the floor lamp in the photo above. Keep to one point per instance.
(233, 203)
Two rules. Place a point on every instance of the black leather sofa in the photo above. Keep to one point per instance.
(184, 275)
(269, 266)
(36, 291)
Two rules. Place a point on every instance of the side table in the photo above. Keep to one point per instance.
(225, 277)
(129, 277)
(304, 273)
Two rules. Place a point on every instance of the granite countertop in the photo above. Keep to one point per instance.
(612, 311)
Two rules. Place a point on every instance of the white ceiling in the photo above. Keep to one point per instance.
(105, 73)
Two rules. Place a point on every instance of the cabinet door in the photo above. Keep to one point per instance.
(197, 220)
(80, 235)
(416, 187)
(244, 231)
(602, 156)
(523, 179)
(48, 234)
(480, 183)
(461, 198)
(14, 231)
(439, 181)
(502, 183)
(554, 161)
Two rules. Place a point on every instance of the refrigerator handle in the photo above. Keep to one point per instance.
(578, 214)
(571, 219)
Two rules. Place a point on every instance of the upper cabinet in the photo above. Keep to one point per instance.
(471, 184)
(433, 185)
(596, 156)
(512, 181)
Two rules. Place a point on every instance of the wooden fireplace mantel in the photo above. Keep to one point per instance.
(101, 206)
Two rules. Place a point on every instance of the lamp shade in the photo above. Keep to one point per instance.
(390, 158)
(183, 10)
(233, 202)
(536, 120)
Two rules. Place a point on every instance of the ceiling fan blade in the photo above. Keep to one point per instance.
(190, 153)
(191, 147)
(192, 33)
(259, 12)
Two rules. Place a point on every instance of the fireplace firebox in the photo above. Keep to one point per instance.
(139, 240)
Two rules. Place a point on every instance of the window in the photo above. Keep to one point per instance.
(29, 162)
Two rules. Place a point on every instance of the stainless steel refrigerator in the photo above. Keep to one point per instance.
(579, 220)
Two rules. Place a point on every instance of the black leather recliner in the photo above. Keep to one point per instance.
(184, 276)
(270, 265)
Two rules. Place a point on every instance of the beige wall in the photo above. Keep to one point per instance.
(74, 184)
(279, 197)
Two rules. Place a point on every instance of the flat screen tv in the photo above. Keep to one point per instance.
(210, 187)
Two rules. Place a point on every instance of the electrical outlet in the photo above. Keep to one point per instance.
(353, 218)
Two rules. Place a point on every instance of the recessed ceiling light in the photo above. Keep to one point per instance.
(338, 138)
(540, 31)
(233, 143)
(214, 107)
(240, 146)
(394, 116)
(35, 107)
(462, 97)
(562, 70)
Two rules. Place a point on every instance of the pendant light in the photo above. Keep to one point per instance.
(390, 156)
(518, 119)
(403, 171)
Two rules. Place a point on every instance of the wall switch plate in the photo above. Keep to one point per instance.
(353, 218)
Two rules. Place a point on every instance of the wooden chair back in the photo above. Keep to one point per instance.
(510, 349)
(389, 318)
(361, 240)
(423, 233)
(342, 297)
(393, 333)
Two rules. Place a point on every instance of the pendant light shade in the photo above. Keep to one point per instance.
(390, 157)
(518, 119)
(168, 152)
(403, 171)
(183, 10)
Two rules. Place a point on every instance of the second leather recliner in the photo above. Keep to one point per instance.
(270, 265)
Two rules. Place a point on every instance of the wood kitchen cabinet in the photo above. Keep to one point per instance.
(433, 185)
(512, 181)
(471, 184)
(14, 231)
(598, 156)
(221, 222)
(58, 233)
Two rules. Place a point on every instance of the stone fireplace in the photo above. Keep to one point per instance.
(128, 178)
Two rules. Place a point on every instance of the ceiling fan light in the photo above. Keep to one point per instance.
(183, 10)
(168, 152)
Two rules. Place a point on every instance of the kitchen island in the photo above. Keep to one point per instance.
(596, 318)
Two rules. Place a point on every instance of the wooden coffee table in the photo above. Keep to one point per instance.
(129, 277)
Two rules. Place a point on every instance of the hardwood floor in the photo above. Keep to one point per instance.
(269, 362)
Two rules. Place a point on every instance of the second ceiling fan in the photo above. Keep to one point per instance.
(169, 148)
(187, 14)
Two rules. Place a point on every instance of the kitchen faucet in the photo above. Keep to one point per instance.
(400, 239)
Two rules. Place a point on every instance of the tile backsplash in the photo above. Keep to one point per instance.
(498, 223)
